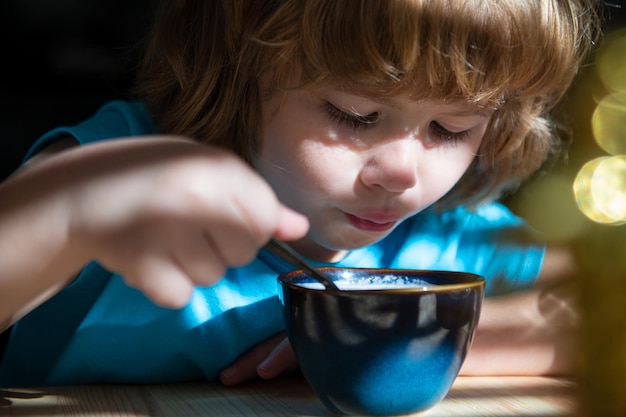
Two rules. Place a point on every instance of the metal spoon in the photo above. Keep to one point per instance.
(286, 253)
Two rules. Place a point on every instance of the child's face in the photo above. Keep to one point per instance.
(358, 167)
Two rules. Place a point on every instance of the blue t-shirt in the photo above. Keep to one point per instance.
(99, 330)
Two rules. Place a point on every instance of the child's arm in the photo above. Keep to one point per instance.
(164, 212)
(531, 332)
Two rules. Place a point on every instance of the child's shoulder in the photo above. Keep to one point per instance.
(117, 118)
(492, 214)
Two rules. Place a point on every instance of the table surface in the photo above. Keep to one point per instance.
(470, 396)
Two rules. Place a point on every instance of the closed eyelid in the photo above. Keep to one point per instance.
(466, 117)
(456, 126)
(469, 113)
(370, 110)
(350, 102)
(372, 117)
(350, 118)
(464, 121)
(355, 108)
(349, 110)
(450, 137)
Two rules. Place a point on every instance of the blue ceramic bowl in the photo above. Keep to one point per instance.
(390, 343)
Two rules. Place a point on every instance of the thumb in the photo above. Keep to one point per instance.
(291, 224)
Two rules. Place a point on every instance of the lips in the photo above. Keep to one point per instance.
(372, 222)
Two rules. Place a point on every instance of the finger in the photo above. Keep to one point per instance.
(242, 227)
(281, 360)
(200, 259)
(232, 242)
(245, 367)
(292, 225)
(161, 280)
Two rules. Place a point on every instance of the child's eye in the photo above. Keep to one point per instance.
(446, 135)
(353, 120)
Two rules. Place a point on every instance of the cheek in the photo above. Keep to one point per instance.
(294, 156)
(286, 162)
(278, 139)
(293, 163)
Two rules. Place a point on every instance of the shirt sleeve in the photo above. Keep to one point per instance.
(489, 241)
(115, 119)
(502, 248)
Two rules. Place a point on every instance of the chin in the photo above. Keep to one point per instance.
(350, 241)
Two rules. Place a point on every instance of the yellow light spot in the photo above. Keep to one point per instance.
(611, 61)
(600, 189)
(608, 123)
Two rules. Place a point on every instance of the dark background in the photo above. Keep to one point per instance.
(62, 59)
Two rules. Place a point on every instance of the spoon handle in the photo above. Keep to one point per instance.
(286, 252)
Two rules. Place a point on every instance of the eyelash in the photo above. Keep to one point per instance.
(357, 122)
(353, 121)
(449, 136)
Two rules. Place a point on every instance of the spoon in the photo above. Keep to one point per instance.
(286, 253)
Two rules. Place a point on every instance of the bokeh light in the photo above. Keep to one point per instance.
(600, 185)
(600, 189)
(608, 122)
(611, 61)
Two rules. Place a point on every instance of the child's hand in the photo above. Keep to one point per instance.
(267, 360)
(169, 214)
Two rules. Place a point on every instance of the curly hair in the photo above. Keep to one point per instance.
(201, 69)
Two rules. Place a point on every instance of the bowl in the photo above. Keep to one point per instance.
(389, 342)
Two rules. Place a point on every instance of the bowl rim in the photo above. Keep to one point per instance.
(477, 281)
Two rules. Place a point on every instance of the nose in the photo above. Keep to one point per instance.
(391, 165)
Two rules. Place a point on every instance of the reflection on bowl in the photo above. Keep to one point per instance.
(390, 343)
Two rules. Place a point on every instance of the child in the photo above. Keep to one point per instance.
(373, 134)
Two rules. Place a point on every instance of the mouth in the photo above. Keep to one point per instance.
(372, 223)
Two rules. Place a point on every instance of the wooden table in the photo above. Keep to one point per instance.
(469, 397)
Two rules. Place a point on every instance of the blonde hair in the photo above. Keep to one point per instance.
(200, 72)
